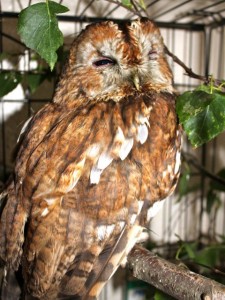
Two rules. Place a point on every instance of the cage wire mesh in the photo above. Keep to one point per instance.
(193, 31)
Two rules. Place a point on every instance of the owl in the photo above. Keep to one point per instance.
(94, 165)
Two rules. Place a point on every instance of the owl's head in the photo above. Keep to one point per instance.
(110, 60)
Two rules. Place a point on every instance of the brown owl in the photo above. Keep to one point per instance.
(93, 164)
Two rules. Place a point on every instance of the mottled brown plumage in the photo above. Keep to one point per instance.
(92, 164)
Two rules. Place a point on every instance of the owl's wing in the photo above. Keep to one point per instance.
(14, 208)
(79, 187)
(57, 150)
(84, 141)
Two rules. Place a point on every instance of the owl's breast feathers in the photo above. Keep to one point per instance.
(85, 179)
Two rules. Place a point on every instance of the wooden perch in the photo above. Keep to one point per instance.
(172, 279)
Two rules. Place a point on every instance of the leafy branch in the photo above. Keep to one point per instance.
(202, 111)
(38, 29)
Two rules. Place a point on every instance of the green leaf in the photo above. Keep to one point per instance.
(209, 256)
(190, 249)
(34, 81)
(202, 114)
(126, 3)
(9, 81)
(38, 29)
(186, 249)
(142, 4)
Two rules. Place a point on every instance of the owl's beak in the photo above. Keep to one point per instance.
(136, 81)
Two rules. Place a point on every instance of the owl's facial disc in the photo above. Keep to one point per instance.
(113, 59)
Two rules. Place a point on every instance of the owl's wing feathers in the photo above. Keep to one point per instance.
(78, 194)
(89, 142)
(15, 210)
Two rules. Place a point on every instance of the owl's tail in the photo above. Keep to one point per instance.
(102, 266)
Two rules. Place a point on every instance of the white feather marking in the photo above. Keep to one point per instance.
(104, 160)
(164, 173)
(104, 231)
(80, 164)
(50, 201)
(152, 211)
(122, 224)
(93, 151)
(24, 128)
(140, 205)
(45, 212)
(169, 169)
(75, 176)
(177, 164)
(133, 218)
(95, 175)
(126, 148)
(143, 237)
(144, 120)
(142, 134)
(119, 135)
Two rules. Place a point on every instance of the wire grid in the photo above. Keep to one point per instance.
(195, 35)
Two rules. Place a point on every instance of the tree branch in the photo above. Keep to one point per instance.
(189, 71)
(172, 279)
